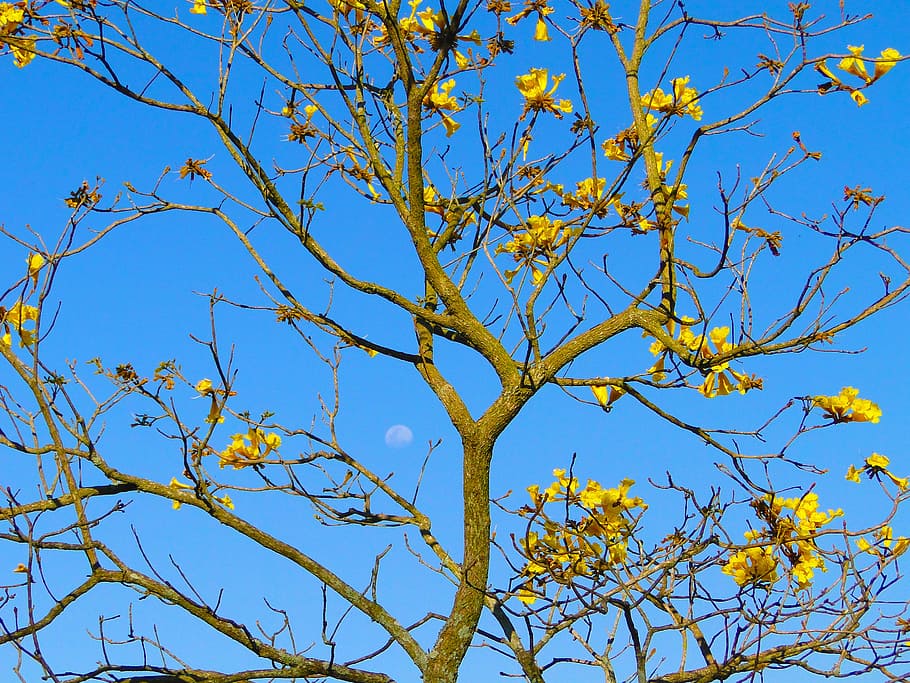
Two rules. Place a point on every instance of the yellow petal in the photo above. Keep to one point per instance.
(853, 474)
(859, 98)
(23, 52)
(450, 124)
(540, 31)
(822, 68)
(526, 596)
(204, 386)
(886, 62)
(865, 546)
(35, 261)
(878, 460)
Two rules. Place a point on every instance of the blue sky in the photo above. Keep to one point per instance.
(140, 293)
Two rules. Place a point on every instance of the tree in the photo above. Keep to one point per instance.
(535, 197)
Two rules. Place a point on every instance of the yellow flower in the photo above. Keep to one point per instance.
(535, 245)
(439, 100)
(854, 64)
(204, 387)
(787, 537)
(23, 51)
(885, 538)
(859, 98)
(753, 565)
(526, 596)
(431, 21)
(578, 547)
(716, 383)
(718, 337)
(877, 461)
(198, 7)
(10, 17)
(588, 195)
(174, 484)
(686, 98)
(657, 100)
(16, 318)
(35, 262)
(721, 379)
(249, 449)
(613, 151)
(540, 31)
(886, 62)
(803, 570)
(847, 407)
(877, 464)
(562, 485)
(533, 87)
(682, 101)
(606, 395)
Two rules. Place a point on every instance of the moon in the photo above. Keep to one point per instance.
(398, 436)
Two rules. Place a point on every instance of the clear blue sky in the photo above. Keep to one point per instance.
(137, 296)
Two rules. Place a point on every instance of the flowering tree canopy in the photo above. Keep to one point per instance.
(547, 202)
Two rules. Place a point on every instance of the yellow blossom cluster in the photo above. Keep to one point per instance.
(17, 319)
(589, 196)
(440, 100)
(855, 65)
(249, 449)
(787, 540)
(681, 101)
(536, 245)
(429, 25)
(876, 466)
(753, 565)
(533, 87)
(561, 551)
(21, 47)
(848, 407)
(625, 143)
(720, 379)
